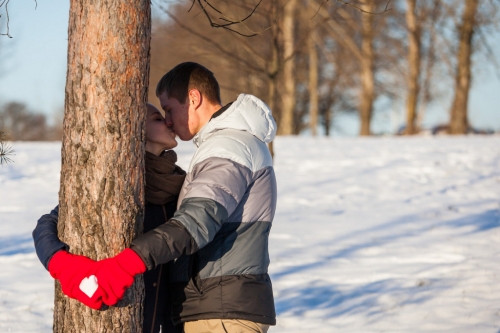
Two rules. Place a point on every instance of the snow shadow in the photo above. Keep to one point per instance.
(369, 298)
(393, 231)
(481, 222)
(16, 244)
(372, 299)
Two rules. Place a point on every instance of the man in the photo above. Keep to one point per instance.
(219, 235)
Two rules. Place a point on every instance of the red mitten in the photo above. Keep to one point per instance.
(77, 277)
(117, 274)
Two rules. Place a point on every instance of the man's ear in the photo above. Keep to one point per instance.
(195, 98)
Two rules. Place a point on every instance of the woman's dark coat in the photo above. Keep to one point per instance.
(157, 309)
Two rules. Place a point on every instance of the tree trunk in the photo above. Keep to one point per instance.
(273, 69)
(286, 124)
(327, 121)
(367, 76)
(458, 120)
(272, 104)
(102, 179)
(413, 66)
(313, 84)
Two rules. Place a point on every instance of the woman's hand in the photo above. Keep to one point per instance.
(77, 277)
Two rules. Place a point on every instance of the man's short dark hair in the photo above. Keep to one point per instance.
(186, 76)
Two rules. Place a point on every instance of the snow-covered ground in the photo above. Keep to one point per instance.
(370, 235)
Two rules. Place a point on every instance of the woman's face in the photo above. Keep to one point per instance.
(159, 136)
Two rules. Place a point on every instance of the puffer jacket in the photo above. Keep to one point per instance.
(219, 234)
(157, 303)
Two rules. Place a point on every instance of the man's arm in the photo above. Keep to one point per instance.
(203, 218)
(216, 189)
(47, 243)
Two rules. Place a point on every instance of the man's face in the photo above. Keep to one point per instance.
(177, 116)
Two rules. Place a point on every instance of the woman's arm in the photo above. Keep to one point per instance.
(47, 243)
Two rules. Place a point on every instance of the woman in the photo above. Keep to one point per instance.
(163, 183)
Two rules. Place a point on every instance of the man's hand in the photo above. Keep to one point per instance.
(115, 275)
(77, 277)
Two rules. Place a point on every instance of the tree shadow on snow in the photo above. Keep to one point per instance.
(16, 244)
(372, 299)
(480, 222)
(366, 298)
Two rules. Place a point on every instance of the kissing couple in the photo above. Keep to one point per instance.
(204, 252)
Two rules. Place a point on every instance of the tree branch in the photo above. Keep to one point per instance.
(212, 42)
(386, 9)
(5, 150)
(6, 3)
(229, 21)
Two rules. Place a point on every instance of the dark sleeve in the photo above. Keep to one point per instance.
(197, 218)
(47, 243)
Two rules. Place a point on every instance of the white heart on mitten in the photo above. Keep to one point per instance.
(89, 285)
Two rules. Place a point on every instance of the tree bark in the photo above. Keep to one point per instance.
(458, 120)
(273, 67)
(102, 179)
(286, 124)
(413, 67)
(313, 84)
(367, 73)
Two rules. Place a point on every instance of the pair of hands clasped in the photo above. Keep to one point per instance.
(95, 282)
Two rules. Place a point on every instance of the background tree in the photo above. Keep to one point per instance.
(458, 115)
(414, 61)
(22, 124)
(355, 28)
(289, 85)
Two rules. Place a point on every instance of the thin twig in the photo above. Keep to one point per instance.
(319, 8)
(386, 9)
(192, 5)
(6, 2)
(230, 21)
(212, 42)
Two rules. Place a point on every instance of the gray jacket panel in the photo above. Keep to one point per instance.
(201, 217)
(217, 179)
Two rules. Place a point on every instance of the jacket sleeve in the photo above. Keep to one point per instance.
(47, 243)
(216, 188)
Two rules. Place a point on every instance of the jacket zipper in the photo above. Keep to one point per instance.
(158, 283)
(156, 299)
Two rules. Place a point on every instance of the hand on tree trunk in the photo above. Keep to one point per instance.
(116, 275)
(76, 274)
(94, 282)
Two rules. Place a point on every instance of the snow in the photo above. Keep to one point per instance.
(370, 235)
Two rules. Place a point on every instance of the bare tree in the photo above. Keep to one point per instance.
(101, 195)
(362, 51)
(430, 34)
(22, 124)
(288, 97)
(458, 119)
(367, 96)
(414, 33)
(313, 76)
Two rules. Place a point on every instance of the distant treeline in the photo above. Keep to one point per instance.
(312, 59)
(18, 123)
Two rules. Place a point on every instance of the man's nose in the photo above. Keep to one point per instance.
(168, 120)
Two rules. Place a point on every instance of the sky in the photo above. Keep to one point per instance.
(33, 71)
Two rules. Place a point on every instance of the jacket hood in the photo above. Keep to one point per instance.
(247, 113)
